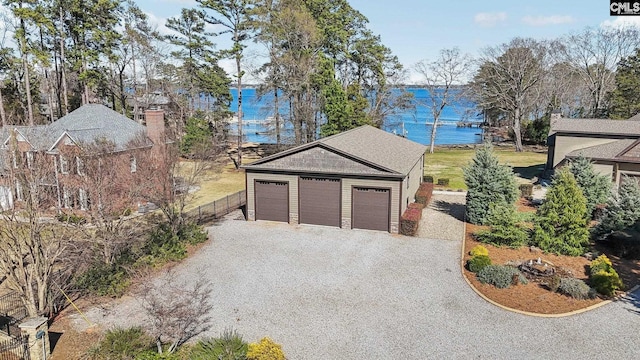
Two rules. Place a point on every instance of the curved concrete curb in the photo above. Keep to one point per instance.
(575, 312)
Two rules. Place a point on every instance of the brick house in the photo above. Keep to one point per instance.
(91, 156)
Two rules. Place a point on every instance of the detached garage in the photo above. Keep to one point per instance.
(362, 178)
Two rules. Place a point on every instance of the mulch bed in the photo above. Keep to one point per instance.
(535, 297)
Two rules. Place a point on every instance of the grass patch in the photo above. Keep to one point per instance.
(215, 183)
(448, 163)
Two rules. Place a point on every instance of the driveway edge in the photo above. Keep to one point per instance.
(575, 312)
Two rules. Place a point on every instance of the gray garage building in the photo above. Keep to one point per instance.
(363, 178)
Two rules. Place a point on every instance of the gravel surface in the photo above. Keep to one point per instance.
(443, 218)
(327, 293)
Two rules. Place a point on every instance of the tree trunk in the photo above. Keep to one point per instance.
(27, 80)
(434, 128)
(65, 96)
(239, 69)
(3, 116)
(516, 130)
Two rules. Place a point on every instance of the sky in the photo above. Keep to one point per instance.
(417, 30)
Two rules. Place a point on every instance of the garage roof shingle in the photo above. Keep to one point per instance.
(596, 126)
(382, 152)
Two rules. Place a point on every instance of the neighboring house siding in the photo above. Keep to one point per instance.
(627, 169)
(293, 193)
(603, 168)
(348, 184)
(564, 144)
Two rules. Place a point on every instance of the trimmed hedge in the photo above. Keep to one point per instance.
(443, 182)
(409, 221)
(428, 179)
(424, 193)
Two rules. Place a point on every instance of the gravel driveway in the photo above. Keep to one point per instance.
(326, 293)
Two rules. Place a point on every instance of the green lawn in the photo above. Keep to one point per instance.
(216, 183)
(448, 163)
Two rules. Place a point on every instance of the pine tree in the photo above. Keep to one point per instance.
(623, 208)
(595, 187)
(561, 223)
(198, 137)
(505, 228)
(488, 182)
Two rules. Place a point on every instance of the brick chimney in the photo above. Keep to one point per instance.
(155, 125)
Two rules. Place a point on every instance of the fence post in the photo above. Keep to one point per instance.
(36, 330)
(227, 211)
(199, 214)
(215, 214)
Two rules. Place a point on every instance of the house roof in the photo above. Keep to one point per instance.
(609, 151)
(629, 127)
(83, 125)
(361, 151)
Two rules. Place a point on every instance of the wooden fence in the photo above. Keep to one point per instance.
(216, 209)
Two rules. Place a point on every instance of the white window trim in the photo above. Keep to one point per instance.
(66, 198)
(79, 166)
(19, 196)
(29, 156)
(64, 165)
(82, 197)
(134, 164)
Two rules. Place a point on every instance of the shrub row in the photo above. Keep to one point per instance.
(134, 343)
(424, 193)
(410, 220)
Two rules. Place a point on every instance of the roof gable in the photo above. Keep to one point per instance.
(320, 159)
(376, 149)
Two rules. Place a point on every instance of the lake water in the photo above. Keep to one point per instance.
(413, 122)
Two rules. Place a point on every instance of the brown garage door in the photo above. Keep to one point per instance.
(272, 200)
(319, 201)
(370, 208)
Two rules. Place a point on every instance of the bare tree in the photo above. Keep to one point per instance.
(178, 311)
(595, 53)
(34, 251)
(440, 78)
(507, 77)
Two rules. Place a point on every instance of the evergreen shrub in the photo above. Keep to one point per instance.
(603, 277)
(504, 227)
(595, 187)
(487, 182)
(622, 210)
(561, 224)
(576, 289)
(479, 250)
(266, 349)
(500, 276)
(478, 262)
(228, 346)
